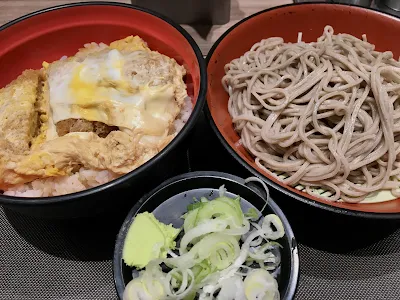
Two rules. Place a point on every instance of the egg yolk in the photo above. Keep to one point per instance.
(91, 87)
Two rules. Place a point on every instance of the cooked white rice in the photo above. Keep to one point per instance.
(83, 179)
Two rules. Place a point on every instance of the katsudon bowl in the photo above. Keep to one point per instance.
(50, 34)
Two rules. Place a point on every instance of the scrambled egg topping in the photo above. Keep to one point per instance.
(105, 108)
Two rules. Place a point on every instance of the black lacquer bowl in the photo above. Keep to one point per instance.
(169, 202)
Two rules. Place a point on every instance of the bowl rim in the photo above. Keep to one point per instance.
(280, 188)
(120, 238)
(198, 107)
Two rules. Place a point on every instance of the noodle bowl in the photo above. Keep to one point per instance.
(325, 114)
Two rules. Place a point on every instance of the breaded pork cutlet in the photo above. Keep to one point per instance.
(107, 108)
(18, 115)
(81, 125)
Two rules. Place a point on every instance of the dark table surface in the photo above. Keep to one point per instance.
(340, 257)
(380, 5)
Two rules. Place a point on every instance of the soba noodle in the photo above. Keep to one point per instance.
(326, 114)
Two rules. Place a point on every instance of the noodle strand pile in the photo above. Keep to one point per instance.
(326, 114)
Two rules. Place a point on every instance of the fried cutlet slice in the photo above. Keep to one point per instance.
(43, 116)
(81, 125)
(18, 115)
(130, 43)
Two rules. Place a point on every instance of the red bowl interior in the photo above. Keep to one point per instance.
(50, 35)
(286, 22)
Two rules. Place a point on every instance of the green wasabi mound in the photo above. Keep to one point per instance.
(148, 239)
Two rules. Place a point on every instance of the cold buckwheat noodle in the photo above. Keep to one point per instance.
(326, 114)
